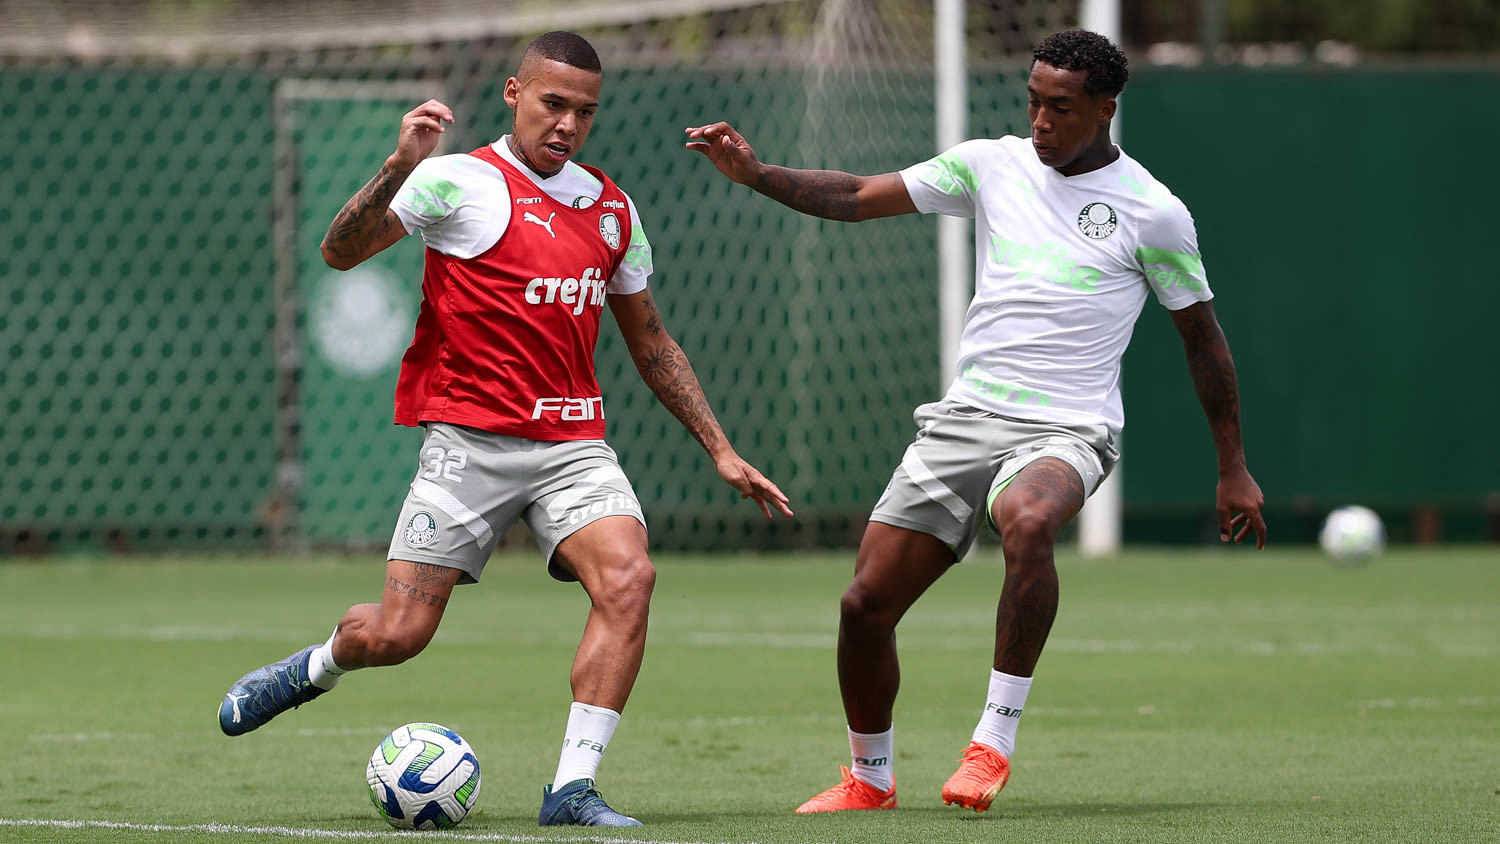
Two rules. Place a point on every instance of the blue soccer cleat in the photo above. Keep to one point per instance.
(579, 804)
(267, 692)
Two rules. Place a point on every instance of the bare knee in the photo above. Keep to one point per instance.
(626, 586)
(863, 606)
(1027, 532)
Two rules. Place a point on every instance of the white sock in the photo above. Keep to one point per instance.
(1002, 712)
(873, 758)
(589, 730)
(321, 669)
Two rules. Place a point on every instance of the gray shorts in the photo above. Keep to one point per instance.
(962, 458)
(472, 485)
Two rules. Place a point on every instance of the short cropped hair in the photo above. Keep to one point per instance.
(569, 48)
(1106, 67)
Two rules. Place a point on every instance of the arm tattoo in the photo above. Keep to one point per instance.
(829, 194)
(653, 317)
(1214, 379)
(363, 219)
(666, 370)
(413, 593)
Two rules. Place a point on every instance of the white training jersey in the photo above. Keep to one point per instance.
(1062, 265)
(461, 206)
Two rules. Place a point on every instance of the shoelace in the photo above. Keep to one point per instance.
(850, 785)
(582, 801)
(982, 758)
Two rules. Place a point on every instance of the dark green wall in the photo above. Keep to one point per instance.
(1348, 223)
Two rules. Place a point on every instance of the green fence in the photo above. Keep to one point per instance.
(139, 379)
(181, 369)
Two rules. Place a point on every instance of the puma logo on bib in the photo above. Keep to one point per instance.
(546, 224)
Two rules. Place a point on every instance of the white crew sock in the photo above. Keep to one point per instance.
(321, 669)
(873, 758)
(1002, 712)
(589, 730)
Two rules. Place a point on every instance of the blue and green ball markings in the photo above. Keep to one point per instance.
(401, 802)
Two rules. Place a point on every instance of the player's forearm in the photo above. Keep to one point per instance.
(830, 194)
(1214, 379)
(362, 221)
(666, 370)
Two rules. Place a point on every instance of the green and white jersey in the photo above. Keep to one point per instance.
(1062, 265)
(462, 206)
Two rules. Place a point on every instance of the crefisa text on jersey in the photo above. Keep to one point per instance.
(588, 289)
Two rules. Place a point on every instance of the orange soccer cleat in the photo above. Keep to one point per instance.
(848, 795)
(981, 773)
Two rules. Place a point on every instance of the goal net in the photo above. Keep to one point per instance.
(183, 371)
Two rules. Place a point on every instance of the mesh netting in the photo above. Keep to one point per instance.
(183, 369)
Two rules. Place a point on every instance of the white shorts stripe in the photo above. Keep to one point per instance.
(601, 475)
(456, 510)
(935, 489)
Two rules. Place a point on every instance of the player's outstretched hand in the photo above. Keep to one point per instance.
(420, 130)
(727, 149)
(752, 484)
(1239, 504)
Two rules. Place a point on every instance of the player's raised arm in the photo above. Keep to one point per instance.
(366, 224)
(1238, 498)
(666, 370)
(830, 194)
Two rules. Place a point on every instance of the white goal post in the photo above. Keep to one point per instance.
(1099, 525)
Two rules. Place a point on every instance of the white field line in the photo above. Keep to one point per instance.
(743, 721)
(303, 732)
(644, 722)
(1425, 702)
(799, 641)
(336, 834)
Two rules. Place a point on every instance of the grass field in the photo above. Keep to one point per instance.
(1184, 696)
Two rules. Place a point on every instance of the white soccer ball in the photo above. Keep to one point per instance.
(1352, 534)
(423, 776)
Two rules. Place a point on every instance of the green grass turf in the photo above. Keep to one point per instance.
(1185, 696)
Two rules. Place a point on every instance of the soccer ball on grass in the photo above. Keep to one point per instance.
(423, 776)
(1352, 534)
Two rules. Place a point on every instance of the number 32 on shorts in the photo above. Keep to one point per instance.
(446, 463)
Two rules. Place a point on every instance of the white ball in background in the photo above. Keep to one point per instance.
(1352, 534)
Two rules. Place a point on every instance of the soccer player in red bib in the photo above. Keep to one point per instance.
(524, 249)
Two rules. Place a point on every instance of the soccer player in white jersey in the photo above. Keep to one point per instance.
(524, 249)
(1071, 234)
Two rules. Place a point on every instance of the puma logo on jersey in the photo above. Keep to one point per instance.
(578, 292)
(546, 224)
